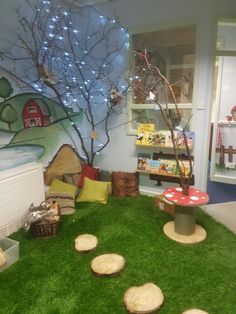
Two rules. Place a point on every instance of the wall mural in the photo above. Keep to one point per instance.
(79, 57)
(32, 127)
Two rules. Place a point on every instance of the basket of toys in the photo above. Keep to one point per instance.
(43, 221)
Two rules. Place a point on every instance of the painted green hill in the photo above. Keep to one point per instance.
(18, 102)
(50, 138)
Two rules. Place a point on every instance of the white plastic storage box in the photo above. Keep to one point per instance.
(10, 249)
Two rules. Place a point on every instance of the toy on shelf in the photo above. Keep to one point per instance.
(233, 112)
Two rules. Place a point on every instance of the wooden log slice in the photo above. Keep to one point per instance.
(108, 264)
(194, 311)
(144, 299)
(85, 243)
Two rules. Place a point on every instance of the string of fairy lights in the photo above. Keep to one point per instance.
(79, 73)
(82, 60)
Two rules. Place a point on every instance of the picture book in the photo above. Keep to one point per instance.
(145, 134)
(146, 127)
(185, 167)
(142, 161)
(168, 167)
(163, 138)
(152, 165)
(189, 138)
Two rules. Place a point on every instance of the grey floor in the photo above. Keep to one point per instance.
(224, 213)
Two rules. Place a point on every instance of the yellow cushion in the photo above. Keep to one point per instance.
(60, 186)
(94, 191)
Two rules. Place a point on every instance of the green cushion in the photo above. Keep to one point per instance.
(94, 191)
(60, 186)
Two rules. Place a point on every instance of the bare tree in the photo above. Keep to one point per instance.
(151, 84)
(76, 56)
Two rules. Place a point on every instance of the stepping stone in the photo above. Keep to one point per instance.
(85, 243)
(143, 299)
(108, 264)
(194, 311)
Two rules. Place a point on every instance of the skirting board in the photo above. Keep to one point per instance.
(12, 227)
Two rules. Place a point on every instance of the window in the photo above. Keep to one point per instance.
(223, 161)
(31, 110)
(173, 52)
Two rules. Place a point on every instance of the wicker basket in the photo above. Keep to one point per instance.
(45, 228)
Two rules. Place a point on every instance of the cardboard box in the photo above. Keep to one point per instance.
(164, 205)
(10, 249)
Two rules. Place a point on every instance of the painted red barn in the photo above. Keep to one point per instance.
(35, 113)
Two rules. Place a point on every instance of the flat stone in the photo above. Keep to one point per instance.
(108, 264)
(143, 299)
(85, 243)
(194, 311)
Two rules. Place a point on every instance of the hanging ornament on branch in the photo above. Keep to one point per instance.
(46, 75)
(116, 96)
(93, 135)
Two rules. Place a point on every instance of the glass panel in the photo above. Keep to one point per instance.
(227, 91)
(224, 154)
(173, 52)
(223, 161)
(184, 88)
(226, 36)
(154, 116)
(225, 158)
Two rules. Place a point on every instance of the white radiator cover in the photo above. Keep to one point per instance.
(19, 187)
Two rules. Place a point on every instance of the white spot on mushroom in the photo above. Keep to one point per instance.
(169, 195)
(179, 189)
(194, 198)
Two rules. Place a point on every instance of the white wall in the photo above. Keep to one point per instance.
(121, 153)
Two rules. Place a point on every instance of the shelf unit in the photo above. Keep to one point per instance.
(165, 147)
(226, 123)
(159, 177)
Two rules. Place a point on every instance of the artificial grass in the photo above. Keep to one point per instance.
(51, 277)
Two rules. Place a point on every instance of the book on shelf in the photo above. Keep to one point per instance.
(142, 161)
(152, 165)
(189, 137)
(145, 134)
(163, 138)
(168, 167)
(185, 167)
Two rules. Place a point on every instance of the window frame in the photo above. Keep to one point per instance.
(132, 106)
(220, 52)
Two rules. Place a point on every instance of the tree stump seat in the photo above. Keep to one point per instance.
(108, 264)
(194, 311)
(143, 299)
(85, 243)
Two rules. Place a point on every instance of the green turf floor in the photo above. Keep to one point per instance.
(51, 277)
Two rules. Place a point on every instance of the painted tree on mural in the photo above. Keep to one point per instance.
(5, 88)
(8, 115)
(76, 56)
